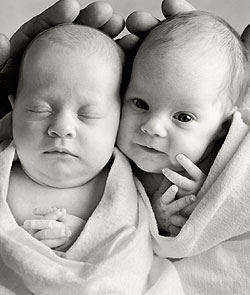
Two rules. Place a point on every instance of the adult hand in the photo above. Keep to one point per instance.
(98, 14)
(139, 23)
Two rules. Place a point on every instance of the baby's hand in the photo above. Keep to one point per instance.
(167, 210)
(186, 185)
(49, 228)
(55, 228)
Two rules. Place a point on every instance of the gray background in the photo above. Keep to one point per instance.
(13, 13)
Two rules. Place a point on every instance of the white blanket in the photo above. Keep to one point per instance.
(113, 254)
(212, 251)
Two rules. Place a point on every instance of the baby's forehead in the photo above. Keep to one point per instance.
(77, 39)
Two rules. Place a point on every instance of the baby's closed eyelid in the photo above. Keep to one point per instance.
(39, 109)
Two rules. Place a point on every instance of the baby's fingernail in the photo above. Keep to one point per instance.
(26, 224)
(174, 188)
(164, 170)
(193, 198)
(179, 157)
(62, 210)
(67, 232)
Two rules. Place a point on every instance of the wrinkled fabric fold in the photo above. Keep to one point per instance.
(212, 252)
(112, 255)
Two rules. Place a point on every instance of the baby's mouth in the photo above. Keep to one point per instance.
(60, 151)
(150, 149)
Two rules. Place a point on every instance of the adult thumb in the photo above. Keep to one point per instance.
(4, 50)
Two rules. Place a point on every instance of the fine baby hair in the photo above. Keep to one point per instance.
(206, 36)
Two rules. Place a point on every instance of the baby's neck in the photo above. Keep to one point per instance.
(150, 181)
(25, 194)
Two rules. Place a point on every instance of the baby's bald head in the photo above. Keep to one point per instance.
(81, 40)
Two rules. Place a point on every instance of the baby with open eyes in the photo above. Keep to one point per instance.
(188, 77)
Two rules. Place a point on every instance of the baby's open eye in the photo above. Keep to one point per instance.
(183, 117)
(140, 104)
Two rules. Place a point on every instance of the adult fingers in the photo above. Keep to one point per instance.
(4, 50)
(95, 14)
(100, 15)
(130, 43)
(63, 11)
(6, 127)
(140, 22)
(114, 26)
(246, 37)
(171, 7)
(5, 106)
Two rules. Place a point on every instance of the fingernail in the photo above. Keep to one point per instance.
(174, 188)
(26, 224)
(67, 232)
(193, 198)
(164, 170)
(179, 157)
(62, 210)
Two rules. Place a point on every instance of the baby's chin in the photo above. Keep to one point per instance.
(157, 169)
(58, 183)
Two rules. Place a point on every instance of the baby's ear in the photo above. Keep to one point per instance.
(11, 100)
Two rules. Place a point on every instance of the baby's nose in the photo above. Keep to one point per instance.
(154, 127)
(62, 127)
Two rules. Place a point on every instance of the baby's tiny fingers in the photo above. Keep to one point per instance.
(29, 230)
(40, 224)
(173, 230)
(178, 220)
(56, 214)
(43, 211)
(193, 170)
(60, 253)
(54, 243)
(51, 213)
(179, 180)
(55, 233)
(184, 202)
(169, 195)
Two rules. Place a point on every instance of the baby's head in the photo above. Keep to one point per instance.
(187, 78)
(67, 108)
